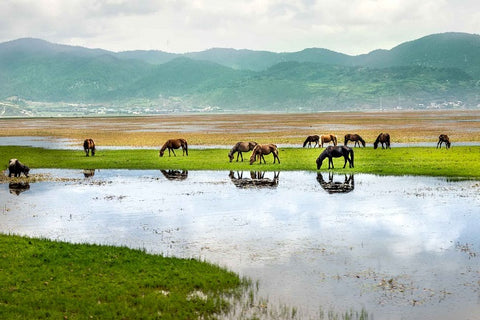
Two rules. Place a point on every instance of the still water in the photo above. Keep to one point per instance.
(400, 247)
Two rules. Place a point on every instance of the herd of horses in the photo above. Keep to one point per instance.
(261, 150)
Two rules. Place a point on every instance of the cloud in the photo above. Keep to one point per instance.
(355, 26)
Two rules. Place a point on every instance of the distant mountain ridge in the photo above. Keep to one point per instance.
(441, 69)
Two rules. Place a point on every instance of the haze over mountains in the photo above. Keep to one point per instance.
(42, 78)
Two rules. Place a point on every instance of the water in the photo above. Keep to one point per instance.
(401, 247)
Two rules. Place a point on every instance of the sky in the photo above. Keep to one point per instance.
(347, 26)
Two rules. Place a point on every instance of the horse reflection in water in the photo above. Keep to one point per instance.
(87, 173)
(336, 186)
(18, 187)
(257, 179)
(175, 175)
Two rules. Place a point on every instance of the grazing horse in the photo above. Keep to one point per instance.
(336, 152)
(89, 145)
(263, 149)
(328, 138)
(240, 147)
(354, 137)
(174, 144)
(311, 139)
(382, 138)
(441, 139)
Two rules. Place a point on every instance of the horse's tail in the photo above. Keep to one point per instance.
(92, 147)
(186, 147)
(347, 136)
(388, 140)
(334, 138)
(361, 140)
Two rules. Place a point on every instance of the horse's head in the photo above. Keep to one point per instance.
(319, 162)
(375, 144)
(230, 155)
(161, 153)
(254, 154)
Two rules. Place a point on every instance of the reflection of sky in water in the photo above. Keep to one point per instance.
(307, 247)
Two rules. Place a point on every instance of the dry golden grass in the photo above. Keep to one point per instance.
(226, 129)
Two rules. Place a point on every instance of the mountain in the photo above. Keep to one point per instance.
(441, 70)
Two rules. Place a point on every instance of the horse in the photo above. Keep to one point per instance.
(89, 145)
(16, 168)
(240, 147)
(336, 152)
(382, 138)
(311, 139)
(174, 144)
(264, 149)
(354, 137)
(328, 138)
(441, 139)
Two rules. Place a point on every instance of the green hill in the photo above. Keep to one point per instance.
(442, 69)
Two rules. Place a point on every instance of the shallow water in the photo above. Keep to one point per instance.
(401, 247)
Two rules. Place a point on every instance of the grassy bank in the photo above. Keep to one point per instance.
(461, 161)
(42, 279)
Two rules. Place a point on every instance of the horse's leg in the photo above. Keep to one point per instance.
(239, 153)
(345, 157)
(262, 158)
(330, 161)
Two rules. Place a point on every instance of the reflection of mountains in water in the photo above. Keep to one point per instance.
(175, 175)
(257, 179)
(18, 187)
(331, 186)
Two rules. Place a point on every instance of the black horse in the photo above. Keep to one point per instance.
(336, 152)
(382, 138)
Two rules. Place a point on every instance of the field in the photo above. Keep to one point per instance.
(227, 129)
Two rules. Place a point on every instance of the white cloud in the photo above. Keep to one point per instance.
(354, 27)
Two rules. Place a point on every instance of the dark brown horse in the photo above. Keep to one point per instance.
(175, 175)
(311, 139)
(441, 139)
(89, 146)
(336, 152)
(172, 144)
(264, 149)
(240, 147)
(383, 138)
(327, 138)
(355, 138)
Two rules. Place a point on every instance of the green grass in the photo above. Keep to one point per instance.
(463, 161)
(42, 279)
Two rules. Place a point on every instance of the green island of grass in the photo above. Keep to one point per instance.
(42, 279)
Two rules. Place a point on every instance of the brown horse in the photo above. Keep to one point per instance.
(335, 152)
(264, 149)
(441, 139)
(311, 139)
(174, 144)
(89, 145)
(355, 138)
(240, 147)
(328, 138)
(383, 138)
